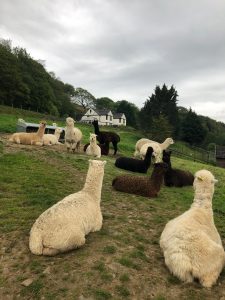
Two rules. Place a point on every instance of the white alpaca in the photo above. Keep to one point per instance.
(73, 135)
(157, 151)
(191, 243)
(142, 142)
(93, 148)
(21, 120)
(54, 124)
(63, 226)
(52, 139)
(29, 138)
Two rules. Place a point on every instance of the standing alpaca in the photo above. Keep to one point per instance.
(104, 148)
(191, 243)
(135, 165)
(63, 226)
(93, 148)
(176, 177)
(52, 139)
(30, 138)
(73, 135)
(106, 136)
(141, 185)
(142, 142)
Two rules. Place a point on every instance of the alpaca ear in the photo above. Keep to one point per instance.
(104, 162)
(199, 178)
(214, 180)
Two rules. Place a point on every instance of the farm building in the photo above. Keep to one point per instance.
(104, 117)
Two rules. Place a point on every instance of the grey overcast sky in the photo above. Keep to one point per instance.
(122, 49)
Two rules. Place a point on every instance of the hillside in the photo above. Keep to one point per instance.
(123, 260)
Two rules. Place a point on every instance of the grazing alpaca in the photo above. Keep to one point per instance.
(73, 135)
(63, 226)
(104, 148)
(176, 177)
(141, 185)
(106, 136)
(191, 243)
(135, 165)
(93, 148)
(30, 138)
(52, 139)
(142, 142)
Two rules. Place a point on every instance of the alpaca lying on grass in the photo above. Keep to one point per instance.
(155, 145)
(93, 149)
(106, 136)
(30, 138)
(52, 139)
(104, 148)
(141, 185)
(135, 165)
(191, 243)
(176, 177)
(73, 135)
(63, 226)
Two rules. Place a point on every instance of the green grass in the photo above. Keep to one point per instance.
(121, 261)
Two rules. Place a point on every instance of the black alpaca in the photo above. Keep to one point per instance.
(106, 136)
(104, 148)
(176, 177)
(135, 165)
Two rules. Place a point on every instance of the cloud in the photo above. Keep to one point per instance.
(123, 49)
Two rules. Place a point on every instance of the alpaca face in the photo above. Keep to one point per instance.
(70, 121)
(204, 179)
(95, 122)
(58, 130)
(170, 141)
(93, 137)
(42, 124)
(97, 163)
(161, 167)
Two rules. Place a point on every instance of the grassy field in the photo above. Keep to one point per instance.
(123, 260)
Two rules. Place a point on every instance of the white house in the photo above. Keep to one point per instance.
(119, 119)
(104, 117)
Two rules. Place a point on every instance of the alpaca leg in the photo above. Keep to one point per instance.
(98, 223)
(50, 251)
(115, 147)
(74, 147)
(17, 140)
(68, 146)
(78, 146)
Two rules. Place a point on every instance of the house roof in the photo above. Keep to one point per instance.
(102, 112)
(118, 115)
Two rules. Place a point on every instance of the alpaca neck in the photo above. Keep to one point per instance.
(148, 159)
(165, 145)
(96, 128)
(93, 144)
(93, 184)
(203, 199)
(57, 134)
(156, 178)
(41, 131)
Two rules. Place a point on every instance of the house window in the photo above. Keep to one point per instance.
(106, 117)
(110, 118)
(90, 110)
(123, 121)
(119, 120)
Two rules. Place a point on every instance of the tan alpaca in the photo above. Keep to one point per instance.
(93, 148)
(52, 139)
(30, 138)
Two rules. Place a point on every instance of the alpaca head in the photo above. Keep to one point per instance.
(149, 151)
(160, 168)
(97, 165)
(93, 138)
(204, 180)
(169, 141)
(42, 124)
(58, 131)
(166, 156)
(70, 122)
(95, 122)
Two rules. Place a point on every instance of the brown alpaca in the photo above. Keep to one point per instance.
(140, 185)
(30, 138)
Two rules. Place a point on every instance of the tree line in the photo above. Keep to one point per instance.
(25, 83)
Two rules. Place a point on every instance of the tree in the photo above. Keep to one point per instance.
(104, 102)
(192, 130)
(130, 110)
(161, 129)
(83, 98)
(162, 102)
